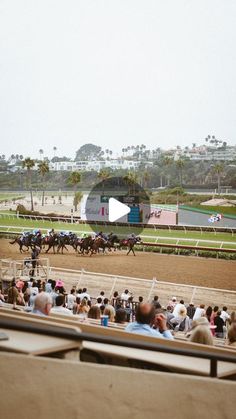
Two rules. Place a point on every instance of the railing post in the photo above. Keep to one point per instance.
(113, 287)
(193, 294)
(213, 367)
(154, 280)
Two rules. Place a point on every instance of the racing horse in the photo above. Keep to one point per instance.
(51, 241)
(28, 241)
(130, 243)
(85, 244)
(98, 243)
(64, 240)
(23, 241)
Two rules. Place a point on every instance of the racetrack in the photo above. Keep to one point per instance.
(215, 273)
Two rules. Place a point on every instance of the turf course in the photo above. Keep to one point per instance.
(209, 239)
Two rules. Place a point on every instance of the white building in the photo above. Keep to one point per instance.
(96, 165)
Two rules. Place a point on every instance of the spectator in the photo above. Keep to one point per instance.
(212, 320)
(121, 316)
(85, 294)
(224, 315)
(140, 299)
(181, 322)
(53, 294)
(219, 323)
(232, 335)
(94, 312)
(125, 295)
(191, 310)
(178, 307)
(110, 312)
(169, 316)
(20, 299)
(84, 308)
(60, 287)
(99, 302)
(34, 259)
(20, 284)
(13, 293)
(209, 313)
(2, 298)
(232, 318)
(199, 312)
(59, 306)
(79, 292)
(214, 313)
(48, 286)
(173, 302)
(101, 295)
(145, 319)
(155, 302)
(33, 292)
(76, 306)
(42, 304)
(71, 299)
(202, 334)
(110, 309)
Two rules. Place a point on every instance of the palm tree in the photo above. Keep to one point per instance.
(218, 168)
(28, 164)
(167, 161)
(103, 175)
(74, 179)
(130, 179)
(146, 178)
(43, 169)
(77, 198)
(180, 165)
(54, 150)
(41, 153)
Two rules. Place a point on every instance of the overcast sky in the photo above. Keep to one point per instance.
(115, 73)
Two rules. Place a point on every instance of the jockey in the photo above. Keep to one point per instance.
(50, 232)
(131, 236)
(37, 232)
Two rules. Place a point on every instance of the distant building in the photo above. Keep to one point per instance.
(96, 165)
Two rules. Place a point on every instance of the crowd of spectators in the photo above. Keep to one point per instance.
(199, 324)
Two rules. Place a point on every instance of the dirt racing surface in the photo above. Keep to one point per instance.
(214, 273)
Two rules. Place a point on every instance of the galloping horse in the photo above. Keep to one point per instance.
(28, 241)
(98, 243)
(85, 244)
(50, 241)
(23, 242)
(130, 243)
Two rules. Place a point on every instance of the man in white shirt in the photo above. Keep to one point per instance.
(179, 306)
(71, 299)
(59, 307)
(125, 295)
(224, 315)
(84, 294)
(200, 312)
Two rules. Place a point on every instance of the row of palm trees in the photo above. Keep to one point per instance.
(131, 178)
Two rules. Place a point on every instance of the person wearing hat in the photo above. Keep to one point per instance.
(173, 302)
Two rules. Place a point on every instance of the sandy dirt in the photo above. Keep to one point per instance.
(213, 273)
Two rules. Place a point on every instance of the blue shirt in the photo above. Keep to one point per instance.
(145, 329)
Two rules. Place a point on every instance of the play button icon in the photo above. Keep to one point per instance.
(116, 210)
(116, 203)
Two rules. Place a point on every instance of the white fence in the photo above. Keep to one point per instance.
(10, 269)
(155, 239)
(96, 282)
